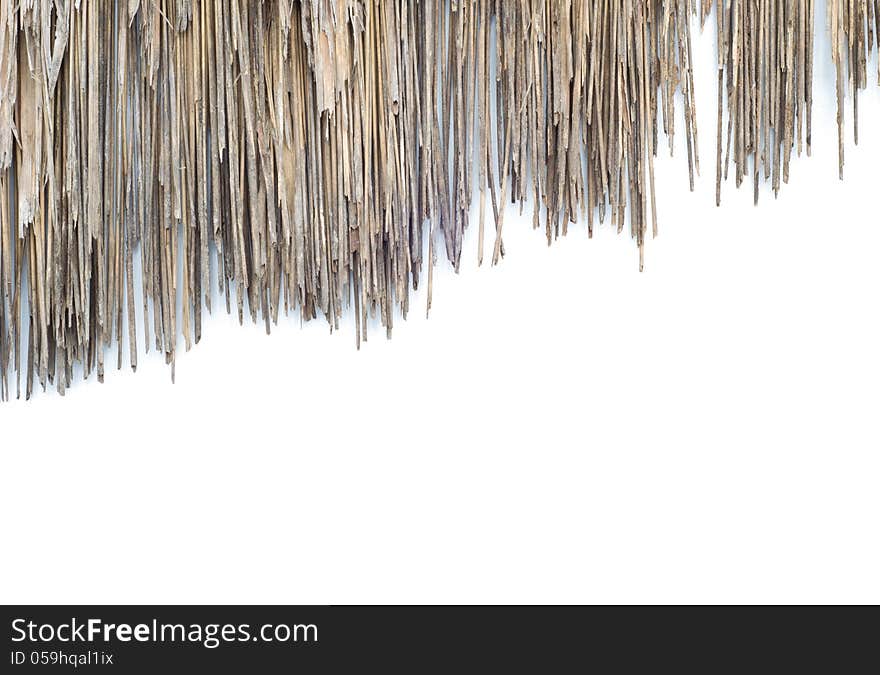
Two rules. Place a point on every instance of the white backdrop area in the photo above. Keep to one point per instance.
(562, 428)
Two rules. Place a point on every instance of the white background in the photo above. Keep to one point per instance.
(562, 428)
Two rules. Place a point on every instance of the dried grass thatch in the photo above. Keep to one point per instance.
(314, 155)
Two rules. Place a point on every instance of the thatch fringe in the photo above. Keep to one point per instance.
(854, 27)
(304, 154)
(765, 66)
